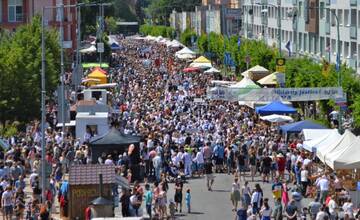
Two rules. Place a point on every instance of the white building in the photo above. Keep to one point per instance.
(313, 32)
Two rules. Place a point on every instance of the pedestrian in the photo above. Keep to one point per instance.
(323, 184)
(304, 173)
(178, 193)
(277, 189)
(278, 210)
(291, 211)
(188, 200)
(7, 203)
(172, 209)
(235, 194)
(348, 208)
(246, 194)
(148, 200)
(256, 199)
(321, 215)
(285, 194)
(314, 208)
(241, 213)
(240, 160)
(125, 202)
(209, 175)
(266, 211)
(253, 162)
(332, 207)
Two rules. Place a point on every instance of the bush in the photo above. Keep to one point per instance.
(185, 37)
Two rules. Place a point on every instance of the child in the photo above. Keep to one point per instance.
(188, 200)
(172, 209)
(148, 199)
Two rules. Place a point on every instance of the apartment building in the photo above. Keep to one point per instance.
(14, 13)
(309, 25)
(228, 3)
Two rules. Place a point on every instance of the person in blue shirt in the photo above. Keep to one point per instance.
(148, 199)
(188, 200)
(297, 170)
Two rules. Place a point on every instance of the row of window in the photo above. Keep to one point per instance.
(15, 10)
(311, 43)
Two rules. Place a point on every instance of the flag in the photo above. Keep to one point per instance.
(239, 42)
(338, 62)
(287, 46)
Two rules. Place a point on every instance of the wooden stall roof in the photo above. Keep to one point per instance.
(89, 174)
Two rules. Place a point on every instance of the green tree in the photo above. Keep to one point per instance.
(20, 64)
(111, 25)
(186, 37)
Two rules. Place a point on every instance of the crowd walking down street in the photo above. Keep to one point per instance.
(197, 160)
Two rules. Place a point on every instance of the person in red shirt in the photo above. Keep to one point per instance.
(88, 212)
(281, 164)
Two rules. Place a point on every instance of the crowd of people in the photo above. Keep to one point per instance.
(183, 138)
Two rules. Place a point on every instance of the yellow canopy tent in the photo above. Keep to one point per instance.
(97, 74)
(201, 59)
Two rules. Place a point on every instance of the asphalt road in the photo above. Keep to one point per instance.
(214, 205)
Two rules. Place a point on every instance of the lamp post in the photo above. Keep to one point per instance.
(338, 65)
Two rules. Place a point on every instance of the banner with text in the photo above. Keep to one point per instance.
(272, 94)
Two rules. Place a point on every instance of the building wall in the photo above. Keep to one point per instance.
(314, 36)
(32, 8)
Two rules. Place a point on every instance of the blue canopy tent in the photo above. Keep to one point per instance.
(115, 46)
(297, 127)
(275, 107)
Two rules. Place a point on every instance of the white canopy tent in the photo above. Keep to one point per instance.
(277, 118)
(245, 83)
(90, 49)
(185, 53)
(347, 159)
(316, 139)
(174, 43)
(312, 134)
(212, 70)
(325, 152)
(345, 154)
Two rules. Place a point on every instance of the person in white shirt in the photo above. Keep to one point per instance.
(332, 208)
(348, 208)
(323, 184)
(304, 175)
(199, 161)
(321, 214)
(109, 161)
(7, 203)
(256, 200)
(186, 158)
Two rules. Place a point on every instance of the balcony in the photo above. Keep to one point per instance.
(327, 2)
(353, 32)
(353, 3)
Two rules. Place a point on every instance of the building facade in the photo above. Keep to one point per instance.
(208, 18)
(310, 27)
(14, 13)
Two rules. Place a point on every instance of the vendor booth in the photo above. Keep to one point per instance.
(201, 62)
(115, 141)
(297, 127)
(319, 138)
(98, 74)
(185, 53)
(275, 107)
(255, 73)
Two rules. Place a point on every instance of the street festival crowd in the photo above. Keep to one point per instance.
(183, 139)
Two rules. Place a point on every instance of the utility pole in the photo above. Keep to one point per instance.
(43, 113)
(62, 74)
(279, 25)
(295, 26)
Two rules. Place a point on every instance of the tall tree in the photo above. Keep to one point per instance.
(20, 64)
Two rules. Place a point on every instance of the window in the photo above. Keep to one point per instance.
(312, 10)
(15, 10)
(300, 9)
(322, 10)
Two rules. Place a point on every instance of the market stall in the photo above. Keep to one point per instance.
(275, 107)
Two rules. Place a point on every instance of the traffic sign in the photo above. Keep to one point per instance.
(280, 65)
(100, 47)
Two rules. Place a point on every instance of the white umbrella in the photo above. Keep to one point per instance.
(201, 65)
(276, 118)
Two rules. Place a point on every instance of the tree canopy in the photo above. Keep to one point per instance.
(20, 64)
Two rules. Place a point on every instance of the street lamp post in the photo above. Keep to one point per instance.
(338, 65)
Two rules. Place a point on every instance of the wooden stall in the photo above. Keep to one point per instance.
(84, 186)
